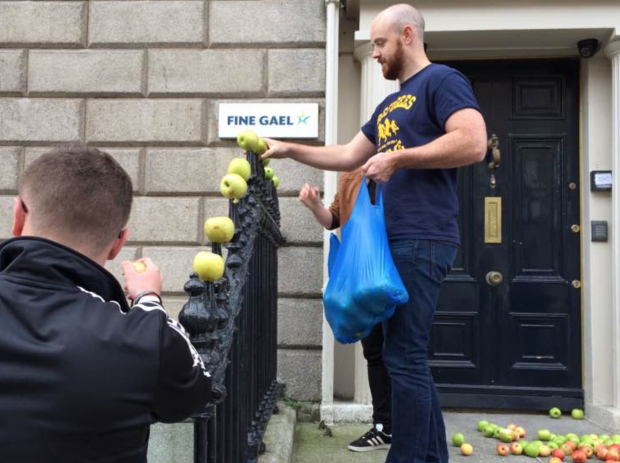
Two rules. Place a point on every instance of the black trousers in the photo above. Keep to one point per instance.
(378, 378)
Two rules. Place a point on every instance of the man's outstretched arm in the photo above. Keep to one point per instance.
(334, 157)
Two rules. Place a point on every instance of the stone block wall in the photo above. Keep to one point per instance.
(143, 80)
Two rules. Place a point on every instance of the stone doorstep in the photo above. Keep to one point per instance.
(279, 436)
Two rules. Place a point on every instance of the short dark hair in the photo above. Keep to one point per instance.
(79, 192)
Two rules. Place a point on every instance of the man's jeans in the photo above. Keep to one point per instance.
(418, 430)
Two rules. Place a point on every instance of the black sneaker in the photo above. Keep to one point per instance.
(374, 439)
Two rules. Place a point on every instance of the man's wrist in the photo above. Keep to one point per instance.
(142, 294)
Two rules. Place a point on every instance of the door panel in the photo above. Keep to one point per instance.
(517, 343)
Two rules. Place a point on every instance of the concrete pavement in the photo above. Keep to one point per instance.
(312, 446)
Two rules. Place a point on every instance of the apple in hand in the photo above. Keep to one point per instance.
(219, 229)
(268, 173)
(233, 187)
(209, 266)
(276, 181)
(139, 266)
(240, 167)
(555, 412)
(577, 414)
(248, 140)
(261, 147)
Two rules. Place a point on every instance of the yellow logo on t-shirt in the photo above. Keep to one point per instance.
(387, 129)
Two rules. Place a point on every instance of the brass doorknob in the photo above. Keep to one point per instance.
(494, 278)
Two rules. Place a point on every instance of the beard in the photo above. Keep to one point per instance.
(393, 66)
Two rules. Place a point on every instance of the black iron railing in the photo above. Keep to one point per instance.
(233, 325)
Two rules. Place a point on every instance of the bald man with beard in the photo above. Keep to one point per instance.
(411, 146)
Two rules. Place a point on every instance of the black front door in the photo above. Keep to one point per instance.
(507, 333)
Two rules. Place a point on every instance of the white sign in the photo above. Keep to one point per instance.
(277, 120)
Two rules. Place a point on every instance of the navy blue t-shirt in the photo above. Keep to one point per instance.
(420, 203)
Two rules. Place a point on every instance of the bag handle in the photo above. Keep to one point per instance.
(378, 193)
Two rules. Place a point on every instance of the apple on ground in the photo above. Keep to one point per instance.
(276, 181)
(209, 266)
(458, 439)
(552, 445)
(579, 456)
(555, 412)
(520, 432)
(587, 450)
(248, 140)
(531, 449)
(268, 173)
(544, 434)
(555, 460)
(488, 430)
(233, 187)
(502, 449)
(516, 448)
(219, 229)
(615, 447)
(613, 454)
(577, 414)
(506, 435)
(511, 426)
(482, 424)
(601, 453)
(558, 453)
(467, 449)
(240, 167)
(566, 448)
(544, 451)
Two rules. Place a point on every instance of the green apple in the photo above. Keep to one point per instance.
(276, 181)
(523, 442)
(241, 167)
(553, 445)
(209, 266)
(233, 186)
(261, 147)
(219, 229)
(458, 439)
(266, 162)
(268, 173)
(248, 140)
(531, 449)
(555, 412)
(482, 424)
(506, 435)
(488, 430)
(577, 414)
(544, 434)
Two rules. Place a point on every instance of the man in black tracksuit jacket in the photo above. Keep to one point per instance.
(82, 374)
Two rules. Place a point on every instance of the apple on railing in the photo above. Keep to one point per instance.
(249, 141)
(209, 266)
(219, 229)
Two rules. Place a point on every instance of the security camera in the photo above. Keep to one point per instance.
(587, 48)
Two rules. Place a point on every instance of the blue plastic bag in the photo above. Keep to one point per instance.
(364, 286)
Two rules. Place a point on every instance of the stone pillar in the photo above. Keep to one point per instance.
(612, 50)
(374, 90)
(374, 86)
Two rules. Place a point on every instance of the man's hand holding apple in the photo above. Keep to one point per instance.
(139, 279)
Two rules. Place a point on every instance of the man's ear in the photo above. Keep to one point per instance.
(19, 217)
(119, 242)
(409, 34)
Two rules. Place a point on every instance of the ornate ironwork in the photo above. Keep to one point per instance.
(246, 296)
